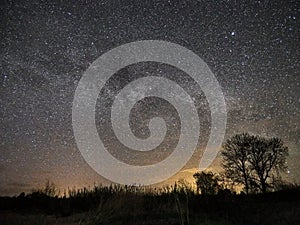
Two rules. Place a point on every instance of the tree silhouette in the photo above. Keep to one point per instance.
(252, 160)
(207, 183)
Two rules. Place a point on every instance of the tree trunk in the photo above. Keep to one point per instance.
(264, 187)
(246, 186)
(246, 182)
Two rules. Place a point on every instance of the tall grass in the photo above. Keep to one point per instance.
(132, 205)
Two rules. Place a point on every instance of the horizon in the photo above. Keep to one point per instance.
(247, 59)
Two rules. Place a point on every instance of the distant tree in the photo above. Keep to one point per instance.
(207, 183)
(22, 195)
(252, 160)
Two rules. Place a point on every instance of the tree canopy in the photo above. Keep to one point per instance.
(252, 160)
(207, 183)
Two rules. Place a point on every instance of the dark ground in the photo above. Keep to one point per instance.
(131, 207)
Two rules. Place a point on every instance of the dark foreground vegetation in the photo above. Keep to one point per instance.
(250, 161)
(127, 205)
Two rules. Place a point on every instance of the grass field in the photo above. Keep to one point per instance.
(135, 206)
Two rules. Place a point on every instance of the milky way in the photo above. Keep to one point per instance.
(252, 49)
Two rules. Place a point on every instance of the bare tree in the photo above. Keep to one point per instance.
(253, 160)
(235, 160)
(267, 157)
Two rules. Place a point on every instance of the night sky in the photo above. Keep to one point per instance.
(46, 46)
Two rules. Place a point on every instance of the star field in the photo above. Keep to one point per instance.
(252, 49)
